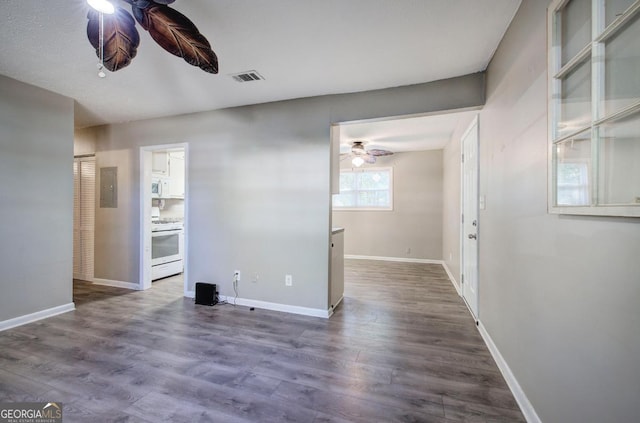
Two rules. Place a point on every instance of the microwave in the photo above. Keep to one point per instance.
(159, 187)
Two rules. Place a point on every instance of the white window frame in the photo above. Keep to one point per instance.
(370, 169)
(600, 35)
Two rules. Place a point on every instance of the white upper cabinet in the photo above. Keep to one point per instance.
(170, 165)
(176, 174)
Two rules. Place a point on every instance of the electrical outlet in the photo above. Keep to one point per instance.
(236, 275)
(255, 277)
(288, 280)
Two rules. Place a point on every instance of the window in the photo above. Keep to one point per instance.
(365, 189)
(594, 107)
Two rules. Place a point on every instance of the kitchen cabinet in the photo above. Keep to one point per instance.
(176, 174)
(336, 284)
(170, 166)
(160, 163)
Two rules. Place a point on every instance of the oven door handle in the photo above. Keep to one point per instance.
(169, 232)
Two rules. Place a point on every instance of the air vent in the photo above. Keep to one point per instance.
(247, 76)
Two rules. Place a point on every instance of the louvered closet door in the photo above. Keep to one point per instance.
(84, 181)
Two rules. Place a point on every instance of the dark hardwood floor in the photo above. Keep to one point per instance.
(400, 348)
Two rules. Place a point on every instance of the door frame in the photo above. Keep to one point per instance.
(145, 213)
(475, 123)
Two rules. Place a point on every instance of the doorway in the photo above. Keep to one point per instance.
(470, 224)
(164, 215)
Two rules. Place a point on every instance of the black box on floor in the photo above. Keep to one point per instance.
(206, 293)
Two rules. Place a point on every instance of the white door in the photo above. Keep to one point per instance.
(469, 241)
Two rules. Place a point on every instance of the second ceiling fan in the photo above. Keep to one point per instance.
(360, 155)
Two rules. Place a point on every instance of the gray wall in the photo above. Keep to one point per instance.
(258, 196)
(558, 294)
(415, 222)
(36, 199)
(84, 141)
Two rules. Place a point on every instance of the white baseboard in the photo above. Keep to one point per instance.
(38, 315)
(453, 280)
(117, 284)
(525, 405)
(190, 294)
(82, 278)
(400, 259)
(305, 311)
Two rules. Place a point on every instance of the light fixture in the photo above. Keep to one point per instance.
(102, 6)
(357, 161)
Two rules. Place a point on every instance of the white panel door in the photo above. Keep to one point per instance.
(470, 217)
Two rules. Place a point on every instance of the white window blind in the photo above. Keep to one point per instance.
(84, 194)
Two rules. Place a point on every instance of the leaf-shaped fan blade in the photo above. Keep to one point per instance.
(175, 33)
(369, 158)
(375, 152)
(145, 3)
(121, 38)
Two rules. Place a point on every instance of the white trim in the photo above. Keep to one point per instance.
(453, 280)
(117, 284)
(190, 294)
(305, 311)
(521, 398)
(401, 259)
(38, 315)
(81, 278)
(144, 236)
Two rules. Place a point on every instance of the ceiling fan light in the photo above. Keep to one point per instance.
(357, 161)
(358, 147)
(104, 6)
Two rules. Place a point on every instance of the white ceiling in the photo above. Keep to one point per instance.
(432, 132)
(302, 47)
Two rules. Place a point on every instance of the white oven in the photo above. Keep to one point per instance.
(167, 244)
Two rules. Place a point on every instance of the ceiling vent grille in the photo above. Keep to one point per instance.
(247, 76)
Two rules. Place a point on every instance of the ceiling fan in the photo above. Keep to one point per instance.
(359, 155)
(112, 32)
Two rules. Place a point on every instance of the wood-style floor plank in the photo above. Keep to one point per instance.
(401, 347)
